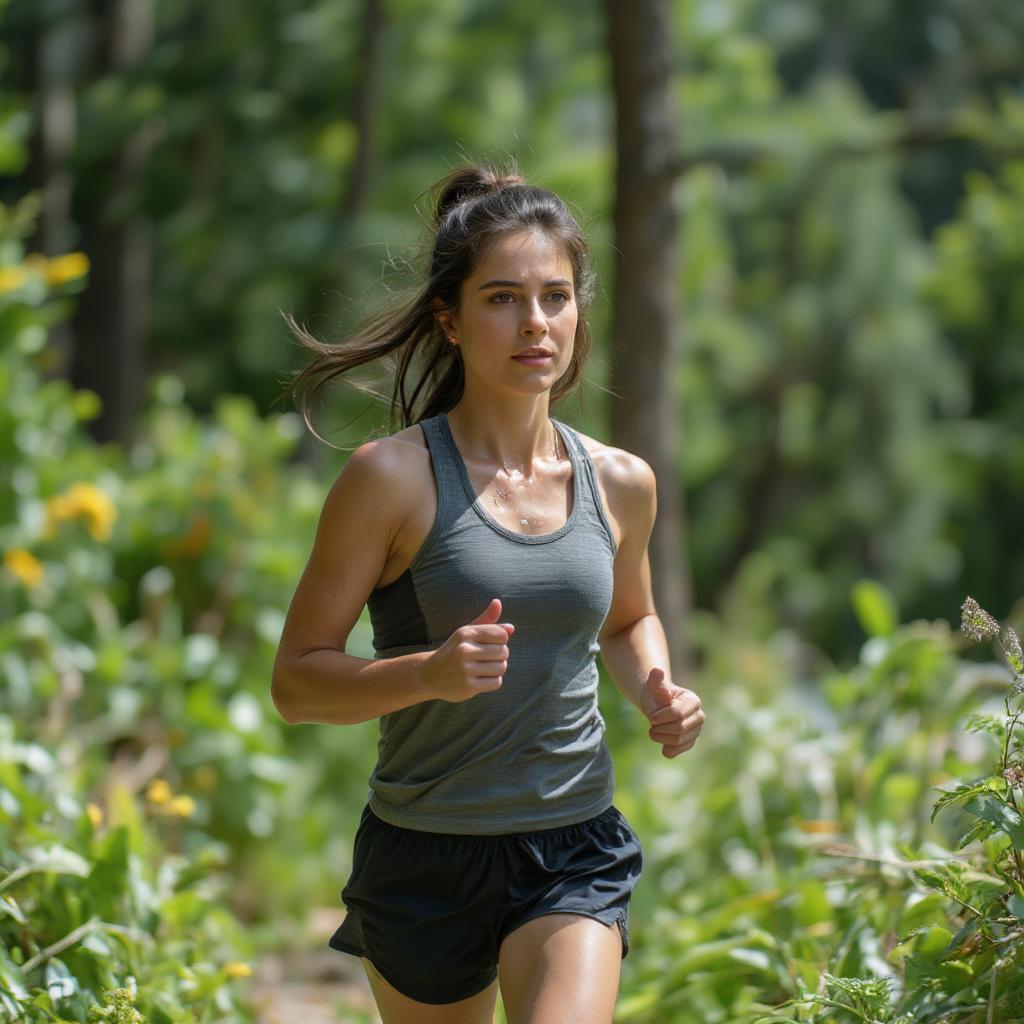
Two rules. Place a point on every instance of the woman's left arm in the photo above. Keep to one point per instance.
(634, 648)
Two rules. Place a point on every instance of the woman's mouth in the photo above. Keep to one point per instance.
(534, 360)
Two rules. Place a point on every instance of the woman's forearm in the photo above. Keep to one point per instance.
(630, 654)
(334, 688)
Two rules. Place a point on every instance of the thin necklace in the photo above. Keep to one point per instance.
(505, 494)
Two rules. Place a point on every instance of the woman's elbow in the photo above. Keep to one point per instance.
(280, 693)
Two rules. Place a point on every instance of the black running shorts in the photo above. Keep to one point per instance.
(430, 909)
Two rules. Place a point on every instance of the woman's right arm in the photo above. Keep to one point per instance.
(314, 680)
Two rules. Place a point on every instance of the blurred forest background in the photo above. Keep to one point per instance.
(808, 223)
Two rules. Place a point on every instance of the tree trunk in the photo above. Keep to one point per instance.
(366, 109)
(645, 347)
(52, 68)
(112, 317)
(365, 116)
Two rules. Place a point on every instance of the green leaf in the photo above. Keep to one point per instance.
(11, 909)
(1008, 820)
(993, 724)
(874, 607)
(55, 859)
(946, 879)
(961, 792)
(977, 832)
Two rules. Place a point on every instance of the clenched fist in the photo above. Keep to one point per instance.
(472, 660)
(674, 713)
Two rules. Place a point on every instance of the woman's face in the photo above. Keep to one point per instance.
(520, 296)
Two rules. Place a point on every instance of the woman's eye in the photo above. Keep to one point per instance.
(502, 295)
(560, 296)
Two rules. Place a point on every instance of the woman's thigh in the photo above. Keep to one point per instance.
(560, 967)
(394, 1008)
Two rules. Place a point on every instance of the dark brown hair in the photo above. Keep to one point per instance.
(476, 203)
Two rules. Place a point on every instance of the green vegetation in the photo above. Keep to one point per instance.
(150, 797)
(845, 844)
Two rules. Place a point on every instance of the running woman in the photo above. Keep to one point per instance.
(499, 550)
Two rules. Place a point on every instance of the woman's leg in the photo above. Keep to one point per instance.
(394, 1008)
(560, 969)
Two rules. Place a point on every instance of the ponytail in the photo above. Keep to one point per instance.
(475, 204)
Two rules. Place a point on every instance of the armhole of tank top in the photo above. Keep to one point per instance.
(442, 506)
(591, 470)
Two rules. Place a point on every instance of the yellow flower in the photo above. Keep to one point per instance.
(181, 806)
(67, 268)
(159, 791)
(82, 501)
(95, 814)
(12, 278)
(818, 826)
(24, 565)
(236, 969)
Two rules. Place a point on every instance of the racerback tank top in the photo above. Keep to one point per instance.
(531, 754)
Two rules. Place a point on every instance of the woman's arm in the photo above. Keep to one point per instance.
(313, 679)
(634, 647)
(334, 688)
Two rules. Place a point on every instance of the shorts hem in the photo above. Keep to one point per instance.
(416, 994)
(433, 998)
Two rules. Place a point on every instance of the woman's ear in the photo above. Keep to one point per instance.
(444, 315)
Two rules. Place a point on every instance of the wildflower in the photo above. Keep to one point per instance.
(120, 1008)
(181, 806)
(94, 814)
(1010, 643)
(82, 501)
(67, 268)
(237, 969)
(12, 278)
(24, 565)
(976, 623)
(818, 825)
(1014, 774)
(159, 791)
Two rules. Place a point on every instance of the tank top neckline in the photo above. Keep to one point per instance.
(486, 517)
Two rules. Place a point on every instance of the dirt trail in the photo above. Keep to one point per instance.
(313, 985)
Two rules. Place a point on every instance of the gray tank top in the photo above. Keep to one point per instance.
(531, 754)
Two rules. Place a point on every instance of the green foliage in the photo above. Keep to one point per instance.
(850, 295)
(851, 393)
(792, 871)
(142, 765)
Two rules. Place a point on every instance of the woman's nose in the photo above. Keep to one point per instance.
(533, 319)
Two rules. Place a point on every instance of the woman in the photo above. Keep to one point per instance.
(498, 551)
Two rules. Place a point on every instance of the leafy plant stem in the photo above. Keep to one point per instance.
(817, 999)
(77, 935)
(1011, 799)
(991, 995)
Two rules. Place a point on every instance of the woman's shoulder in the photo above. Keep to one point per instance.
(388, 466)
(619, 472)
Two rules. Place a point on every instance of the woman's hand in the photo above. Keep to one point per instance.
(674, 713)
(472, 660)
